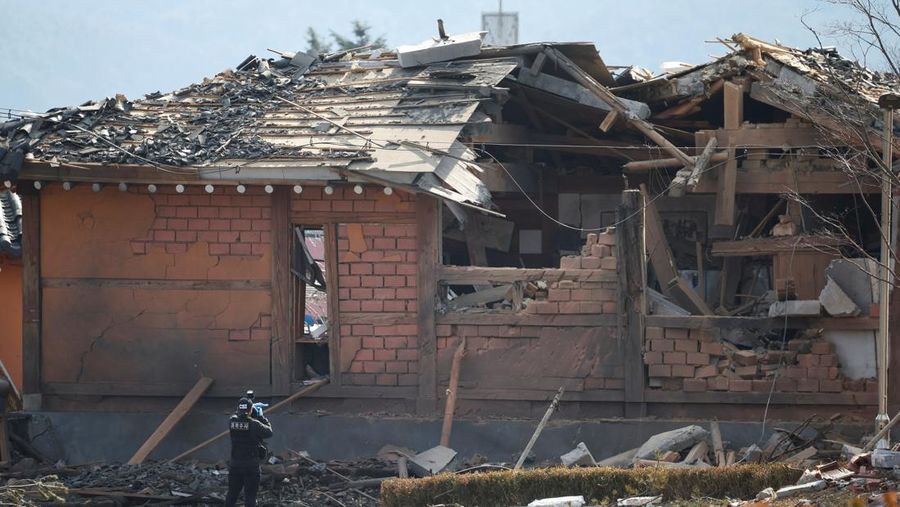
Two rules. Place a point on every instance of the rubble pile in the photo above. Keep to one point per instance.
(291, 479)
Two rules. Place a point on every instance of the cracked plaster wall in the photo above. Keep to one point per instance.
(95, 331)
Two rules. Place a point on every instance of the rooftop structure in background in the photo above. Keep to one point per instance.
(502, 27)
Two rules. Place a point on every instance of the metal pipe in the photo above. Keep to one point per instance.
(885, 278)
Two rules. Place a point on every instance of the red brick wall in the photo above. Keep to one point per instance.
(696, 361)
(540, 354)
(379, 279)
(229, 223)
(377, 271)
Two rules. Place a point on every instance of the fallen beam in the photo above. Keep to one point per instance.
(616, 105)
(669, 163)
(180, 410)
(450, 407)
(540, 427)
(285, 402)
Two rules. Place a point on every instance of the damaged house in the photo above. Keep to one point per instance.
(359, 215)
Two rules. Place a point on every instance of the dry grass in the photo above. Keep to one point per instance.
(600, 485)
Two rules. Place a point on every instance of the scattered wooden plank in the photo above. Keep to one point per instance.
(124, 494)
(180, 410)
(717, 443)
(450, 406)
(730, 458)
(801, 456)
(697, 453)
(15, 397)
(309, 389)
(609, 121)
(540, 427)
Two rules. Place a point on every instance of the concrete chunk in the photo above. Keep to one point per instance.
(562, 501)
(799, 489)
(675, 440)
(430, 51)
(579, 456)
(623, 459)
(836, 302)
(431, 461)
(884, 458)
(796, 308)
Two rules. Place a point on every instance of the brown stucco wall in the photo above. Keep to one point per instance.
(109, 314)
(11, 318)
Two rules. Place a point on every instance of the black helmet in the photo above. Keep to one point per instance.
(244, 406)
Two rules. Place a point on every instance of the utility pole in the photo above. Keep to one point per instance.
(888, 102)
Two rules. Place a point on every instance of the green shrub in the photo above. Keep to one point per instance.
(603, 485)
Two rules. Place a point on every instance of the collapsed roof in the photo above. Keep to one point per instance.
(364, 117)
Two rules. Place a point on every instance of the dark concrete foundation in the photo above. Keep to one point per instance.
(84, 437)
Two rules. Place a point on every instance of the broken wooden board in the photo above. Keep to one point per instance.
(180, 410)
(663, 262)
(771, 246)
(717, 443)
(308, 389)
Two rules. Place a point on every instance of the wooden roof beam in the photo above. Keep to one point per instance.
(616, 105)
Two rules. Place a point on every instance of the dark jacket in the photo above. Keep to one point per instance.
(247, 434)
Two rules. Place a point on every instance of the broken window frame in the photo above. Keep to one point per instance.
(305, 272)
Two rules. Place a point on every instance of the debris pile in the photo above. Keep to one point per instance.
(696, 447)
(293, 477)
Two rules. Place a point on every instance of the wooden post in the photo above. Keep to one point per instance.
(718, 447)
(334, 313)
(429, 258)
(282, 341)
(450, 406)
(180, 410)
(733, 97)
(540, 427)
(631, 270)
(31, 294)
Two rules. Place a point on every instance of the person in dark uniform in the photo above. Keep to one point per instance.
(248, 428)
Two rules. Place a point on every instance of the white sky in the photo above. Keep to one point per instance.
(58, 52)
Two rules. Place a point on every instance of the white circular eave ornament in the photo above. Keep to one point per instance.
(269, 189)
(96, 187)
(151, 188)
(298, 189)
(38, 185)
(388, 190)
(179, 188)
(123, 187)
(67, 185)
(241, 189)
(209, 189)
(358, 189)
(329, 189)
